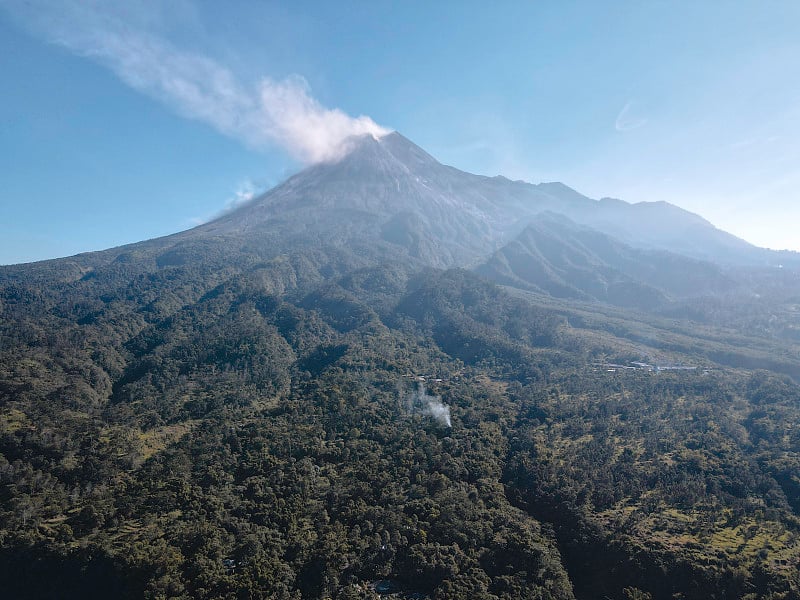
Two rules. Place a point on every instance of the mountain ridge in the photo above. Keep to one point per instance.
(248, 409)
(472, 214)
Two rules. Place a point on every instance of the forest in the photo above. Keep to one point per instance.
(242, 427)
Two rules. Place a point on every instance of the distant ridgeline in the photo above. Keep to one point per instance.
(388, 377)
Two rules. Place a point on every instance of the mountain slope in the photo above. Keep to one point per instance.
(297, 401)
(558, 257)
(390, 189)
(388, 196)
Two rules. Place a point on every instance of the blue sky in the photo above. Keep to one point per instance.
(126, 121)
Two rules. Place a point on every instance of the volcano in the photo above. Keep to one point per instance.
(389, 191)
(389, 375)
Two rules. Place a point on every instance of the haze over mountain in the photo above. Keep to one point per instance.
(387, 198)
(390, 195)
(389, 186)
(389, 376)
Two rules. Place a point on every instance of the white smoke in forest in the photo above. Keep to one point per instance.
(419, 401)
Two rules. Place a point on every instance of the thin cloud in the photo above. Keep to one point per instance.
(754, 142)
(244, 192)
(269, 112)
(626, 120)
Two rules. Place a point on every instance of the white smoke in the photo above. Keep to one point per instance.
(261, 114)
(295, 120)
(245, 192)
(421, 402)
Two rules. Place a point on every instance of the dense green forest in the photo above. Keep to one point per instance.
(245, 429)
(305, 398)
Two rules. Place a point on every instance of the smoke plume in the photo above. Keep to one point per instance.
(421, 402)
(260, 114)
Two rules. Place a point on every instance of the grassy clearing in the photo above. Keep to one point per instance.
(155, 440)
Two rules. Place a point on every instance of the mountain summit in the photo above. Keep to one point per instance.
(297, 401)
(391, 191)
